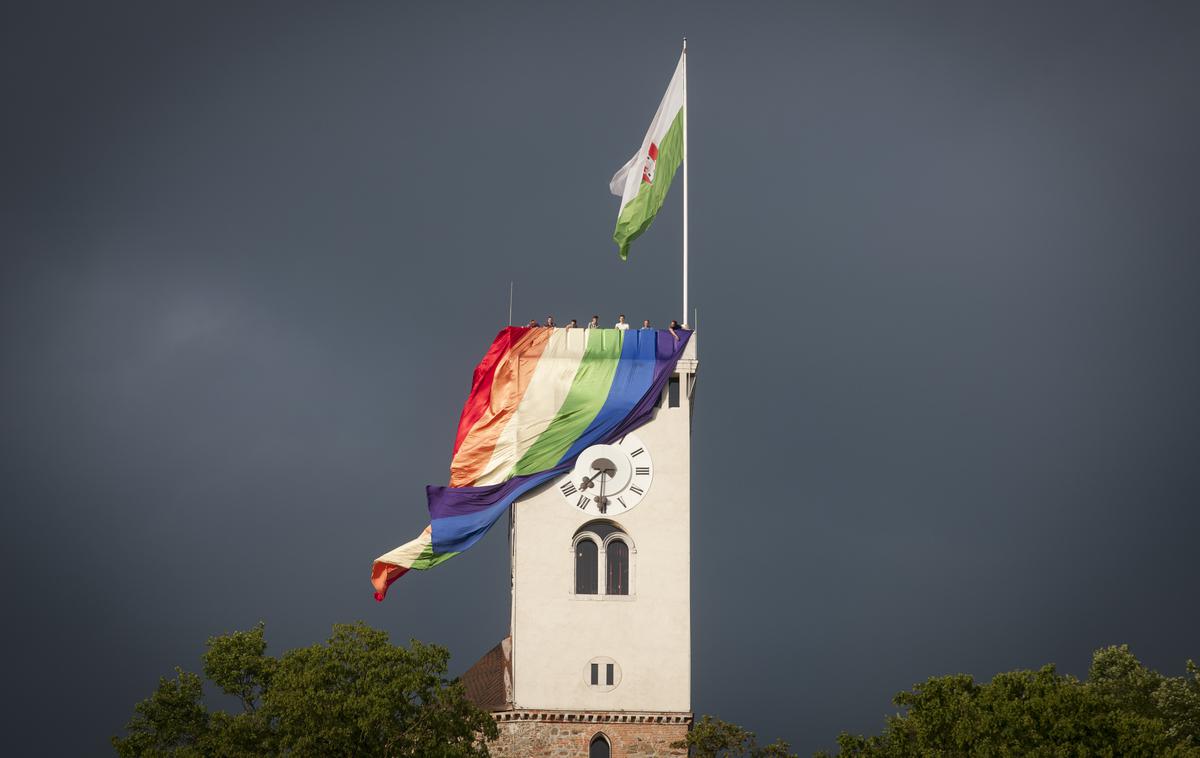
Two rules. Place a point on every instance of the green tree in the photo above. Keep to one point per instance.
(714, 738)
(1121, 709)
(356, 695)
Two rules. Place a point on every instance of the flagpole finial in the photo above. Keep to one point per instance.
(685, 43)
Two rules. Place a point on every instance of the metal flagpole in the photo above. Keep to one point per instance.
(686, 161)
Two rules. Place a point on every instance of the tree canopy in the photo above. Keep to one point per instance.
(1121, 709)
(714, 738)
(356, 695)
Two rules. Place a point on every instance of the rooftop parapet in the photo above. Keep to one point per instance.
(689, 361)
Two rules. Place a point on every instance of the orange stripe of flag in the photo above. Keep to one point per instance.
(513, 372)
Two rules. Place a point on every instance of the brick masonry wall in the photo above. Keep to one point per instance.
(546, 734)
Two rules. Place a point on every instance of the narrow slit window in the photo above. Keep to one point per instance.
(673, 391)
(608, 674)
(596, 673)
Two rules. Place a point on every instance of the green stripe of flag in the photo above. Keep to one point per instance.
(588, 392)
(428, 559)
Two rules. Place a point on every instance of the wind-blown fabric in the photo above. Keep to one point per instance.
(539, 397)
(642, 183)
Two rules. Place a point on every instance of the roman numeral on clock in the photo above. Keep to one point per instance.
(568, 489)
(636, 490)
(642, 471)
(636, 453)
(583, 501)
(621, 500)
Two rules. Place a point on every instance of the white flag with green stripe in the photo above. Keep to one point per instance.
(642, 183)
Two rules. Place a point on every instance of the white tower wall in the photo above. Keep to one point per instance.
(555, 633)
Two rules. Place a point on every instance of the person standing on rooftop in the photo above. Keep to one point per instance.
(645, 323)
(550, 321)
(594, 323)
(621, 323)
(533, 322)
(573, 324)
(674, 325)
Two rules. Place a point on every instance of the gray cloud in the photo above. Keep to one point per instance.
(944, 259)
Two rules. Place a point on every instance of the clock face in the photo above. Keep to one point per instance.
(609, 479)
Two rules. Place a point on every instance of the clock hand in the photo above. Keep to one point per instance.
(601, 500)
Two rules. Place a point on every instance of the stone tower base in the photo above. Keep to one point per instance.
(568, 734)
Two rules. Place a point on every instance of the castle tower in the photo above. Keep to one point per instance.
(598, 661)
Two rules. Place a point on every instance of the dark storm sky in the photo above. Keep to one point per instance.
(945, 258)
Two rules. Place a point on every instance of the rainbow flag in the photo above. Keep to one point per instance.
(539, 397)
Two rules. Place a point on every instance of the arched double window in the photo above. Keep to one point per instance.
(602, 559)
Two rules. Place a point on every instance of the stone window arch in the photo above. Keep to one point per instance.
(600, 747)
(612, 563)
